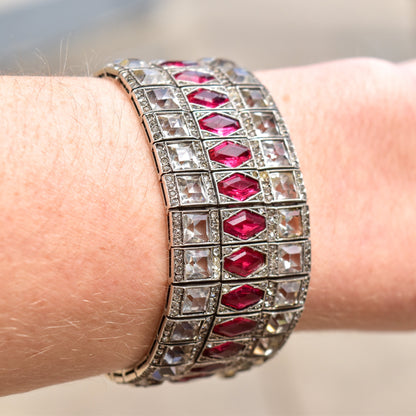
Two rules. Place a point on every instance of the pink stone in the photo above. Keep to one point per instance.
(225, 350)
(245, 224)
(194, 76)
(244, 261)
(239, 186)
(178, 63)
(230, 154)
(242, 297)
(207, 98)
(220, 124)
(235, 327)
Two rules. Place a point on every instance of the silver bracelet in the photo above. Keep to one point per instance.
(238, 220)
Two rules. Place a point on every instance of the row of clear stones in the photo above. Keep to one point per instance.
(240, 254)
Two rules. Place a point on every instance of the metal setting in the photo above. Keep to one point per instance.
(238, 223)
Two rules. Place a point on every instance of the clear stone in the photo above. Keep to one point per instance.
(264, 124)
(253, 97)
(279, 322)
(149, 76)
(183, 156)
(163, 372)
(275, 153)
(195, 228)
(174, 356)
(266, 346)
(290, 223)
(185, 331)
(162, 99)
(192, 189)
(240, 76)
(195, 300)
(287, 293)
(131, 63)
(173, 125)
(290, 258)
(283, 185)
(198, 264)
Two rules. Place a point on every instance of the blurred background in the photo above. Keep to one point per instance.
(320, 373)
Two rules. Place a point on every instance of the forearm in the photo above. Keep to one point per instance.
(84, 248)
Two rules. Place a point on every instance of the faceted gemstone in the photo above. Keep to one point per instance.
(275, 153)
(183, 156)
(210, 368)
(192, 189)
(244, 261)
(207, 98)
(290, 258)
(287, 293)
(225, 350)
(162, 99)
(185, 331)
(220, 124)
(173, 125)
(195, 228)
(174, 356)
(131, 63)
(198, 264)
(283, 185)
(266, 346)
(163, 372)
(195, 300)
(239, 186)
(240, 76)
(242, 297)
(230, 154)
(245, 224)
(253, 97)
(265, 124)
(279, 322)
(149, 76)
(195, 77)
(290, 223)
(178, 63)
(235, 327)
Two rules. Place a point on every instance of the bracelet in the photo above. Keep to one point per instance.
(238, 223)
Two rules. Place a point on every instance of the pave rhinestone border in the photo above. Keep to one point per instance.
(234, 297)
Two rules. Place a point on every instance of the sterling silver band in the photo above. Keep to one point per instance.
(237, 214)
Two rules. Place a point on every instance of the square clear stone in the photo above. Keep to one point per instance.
(192, 190)
(151, 76)
(183, 156)
(195, 227)
(198, 264)
(240, 76)
(195, 300)
(265, 124)
(173, 125)
(275, 153)
(185, 331)
(290, 258)
(267, 346)
(253, 97)
(174, 356)
(290, 223)
(287, 293)
(162, 99)
(279, 322)
(283, 186)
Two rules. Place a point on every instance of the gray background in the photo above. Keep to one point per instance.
(320, 373)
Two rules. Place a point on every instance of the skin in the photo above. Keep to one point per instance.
(83, 250)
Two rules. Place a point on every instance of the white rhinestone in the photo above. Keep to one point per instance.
(183, 156)
(283, 185)
(195, 228)
(290, 258)
(198, 263)
(174, 356)
(279, 322)
(173, 125)
(287, 293)
(253, 97)
(240, 76)
(264, 124)
(148, 76)
(192, 189)
(266, 346)
(195, 300)
(290, 223)
(275, 154)
(162, 99)
(185, 331)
